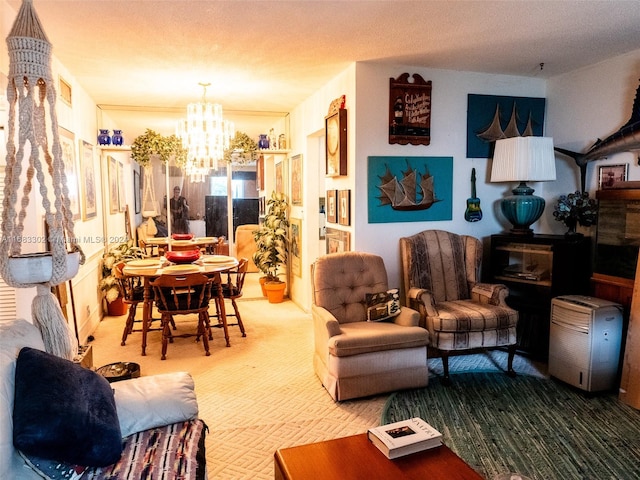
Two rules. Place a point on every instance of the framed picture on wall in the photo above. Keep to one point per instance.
(88, 176)
(337, 241)
(296, 180)
(332, 206)
(336, 143)
(114, 206)
(122, 198)
(344, 207)
(280, 177)
(296, 246)
(68, 145)
(609, 175)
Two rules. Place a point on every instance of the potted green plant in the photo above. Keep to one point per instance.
(242, 149)
(152, 143)
(272, 245)
(576, 208)
(115, 254)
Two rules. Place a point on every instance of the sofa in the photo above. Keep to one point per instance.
(61, 420)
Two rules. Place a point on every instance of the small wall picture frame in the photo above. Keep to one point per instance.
(336, 143)
(296, 180)
(65, 92)
(332, 206)
(344, 207)
(338, 241)
(609, 175)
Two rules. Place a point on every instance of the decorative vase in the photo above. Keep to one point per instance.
(282, 142)
(572, 225)
(116, 138)
(103, 137)
(275, 291)
(263, 142)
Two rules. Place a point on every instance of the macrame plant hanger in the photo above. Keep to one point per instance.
(31, 95)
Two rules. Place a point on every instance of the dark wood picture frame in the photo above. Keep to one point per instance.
(344, 207)
(260, 172)
(336, 143)
(409, 110)
(332, 206)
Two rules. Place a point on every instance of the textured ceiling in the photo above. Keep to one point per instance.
(268, 56)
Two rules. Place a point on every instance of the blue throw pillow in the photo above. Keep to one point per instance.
(64, 412)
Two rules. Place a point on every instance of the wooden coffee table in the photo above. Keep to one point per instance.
(356, 458)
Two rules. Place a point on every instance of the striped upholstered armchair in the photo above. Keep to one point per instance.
(441, 273)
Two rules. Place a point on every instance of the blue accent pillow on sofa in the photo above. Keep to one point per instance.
(64, 412)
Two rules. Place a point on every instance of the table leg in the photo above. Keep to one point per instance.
(147, 305)
(223, 314)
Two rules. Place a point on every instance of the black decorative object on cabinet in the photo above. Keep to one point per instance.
(537, 269)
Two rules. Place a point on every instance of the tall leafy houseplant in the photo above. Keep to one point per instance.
(115, 254)
(272, 238)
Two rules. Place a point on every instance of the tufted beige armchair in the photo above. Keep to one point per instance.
(441, 274)
(354, 357)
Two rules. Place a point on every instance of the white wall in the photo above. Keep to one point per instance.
(448, 138)
(585, 105)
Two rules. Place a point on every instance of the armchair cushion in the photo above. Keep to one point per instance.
(364, 337)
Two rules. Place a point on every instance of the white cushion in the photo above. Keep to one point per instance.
(154, 401)
(14, 334)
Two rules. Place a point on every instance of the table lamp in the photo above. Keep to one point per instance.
(523, 159)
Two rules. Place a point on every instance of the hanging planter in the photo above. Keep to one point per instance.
(32, 268)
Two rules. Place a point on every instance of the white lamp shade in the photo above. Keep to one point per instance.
(524, 159)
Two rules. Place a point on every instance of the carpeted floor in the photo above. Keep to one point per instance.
(535, 426)
(261, 393)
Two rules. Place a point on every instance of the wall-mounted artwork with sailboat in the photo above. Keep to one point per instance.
(409, 189)
(492, 117)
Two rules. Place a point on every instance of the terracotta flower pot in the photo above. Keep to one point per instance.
(116, 308)
(275, 291)
(262, 281)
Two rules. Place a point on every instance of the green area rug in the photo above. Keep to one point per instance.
(534, 426)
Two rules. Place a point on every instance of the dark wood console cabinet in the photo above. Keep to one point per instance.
(536, 269)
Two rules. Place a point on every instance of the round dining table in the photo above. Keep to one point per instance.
(153, 267)
(198, 243)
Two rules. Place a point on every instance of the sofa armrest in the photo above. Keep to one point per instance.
(491, 293)
(422, 300)
(154, 401)
(408, 317)
(322, 318)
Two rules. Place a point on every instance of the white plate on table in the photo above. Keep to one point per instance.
(215, 259)
(145, 263)
(180, 269)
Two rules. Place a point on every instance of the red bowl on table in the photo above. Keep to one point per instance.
(187, 256)
(182, 236)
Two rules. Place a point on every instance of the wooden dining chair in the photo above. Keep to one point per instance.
(132, 291)
(182, 295)
(232, 290)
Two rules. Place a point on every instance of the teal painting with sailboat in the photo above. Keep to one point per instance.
(409, 189)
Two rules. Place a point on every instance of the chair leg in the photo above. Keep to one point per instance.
(166, 333)
(445, 366)
(512, 352)
(235, 308)
(128, 326)
(203, 320)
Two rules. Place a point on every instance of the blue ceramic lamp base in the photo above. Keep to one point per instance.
(522, 209)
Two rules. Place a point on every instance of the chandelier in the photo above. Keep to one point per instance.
(205, 135)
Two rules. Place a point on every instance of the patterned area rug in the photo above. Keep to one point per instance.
(537, 427)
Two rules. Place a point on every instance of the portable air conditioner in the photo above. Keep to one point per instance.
(584, 341)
